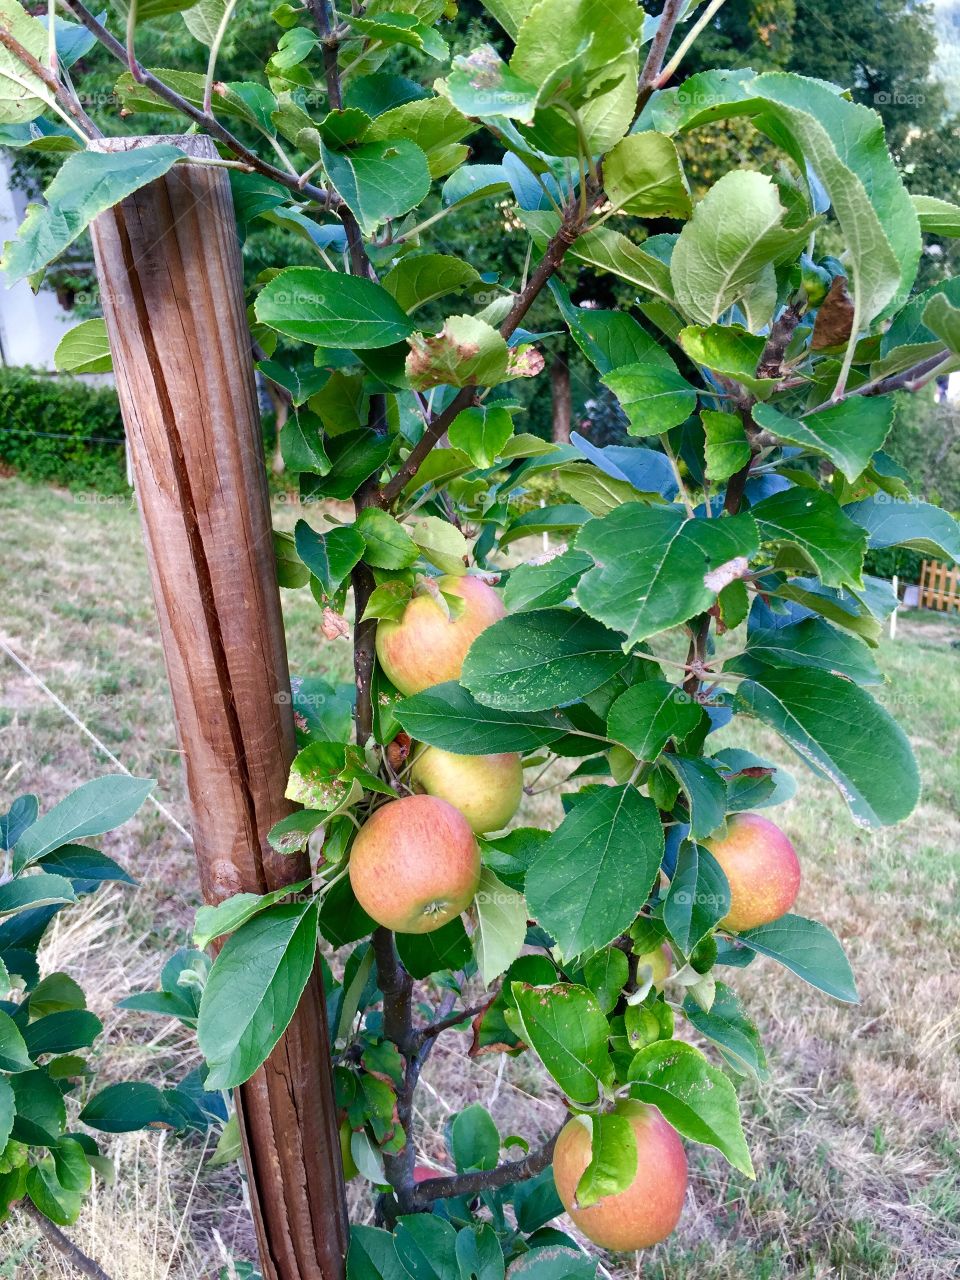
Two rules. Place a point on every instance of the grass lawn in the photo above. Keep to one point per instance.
(854, 1136)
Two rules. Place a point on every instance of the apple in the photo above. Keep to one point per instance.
(425, 647)
(649, 1209)
(486, 789)
(350, 1169)
(762, 868)
(415, 864)
(660, 960)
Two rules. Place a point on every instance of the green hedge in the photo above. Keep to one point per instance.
(61, 430)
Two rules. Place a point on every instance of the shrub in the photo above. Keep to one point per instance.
(61, 430)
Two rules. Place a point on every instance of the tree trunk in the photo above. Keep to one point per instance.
(560, 391)
(171, 283)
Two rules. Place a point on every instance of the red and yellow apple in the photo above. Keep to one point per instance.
(761, 867)
(649, 1208)
(415, 864)
(486, 789)
(425, 647)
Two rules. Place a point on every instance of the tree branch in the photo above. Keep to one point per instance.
(63, 1244)
(433, 1029)
(669, 18)
(471, 1184)
(325, 199)
(396, 986)
(66, 99)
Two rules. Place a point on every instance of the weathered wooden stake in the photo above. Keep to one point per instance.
(171, 284)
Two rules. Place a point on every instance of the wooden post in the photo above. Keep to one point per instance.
(171, 284)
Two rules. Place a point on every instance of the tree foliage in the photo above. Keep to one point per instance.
(712, 571)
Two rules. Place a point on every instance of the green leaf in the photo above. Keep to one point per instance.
(538, 586)
(34, 891)
(50, 1198)
(937, 217)
(843, 735)
(371, 1255)
(593, 875)
(474, 1139)
(22, 813)
(95, 807)
(481, 432)
(62, 1032)
(653, 398)
(611, 251)
(566, 1028)
(329, 556)
(229, 915)
(648, 715)
(613, 1159)
(447, 716)
(13, 1051)
(378, 180)
(559, 520)
(420, 278)
(57, 992)
(423, 954)
(130, 1105)
(848, 433)
(501, 926)
(388, 545)
(535, 661)
(606, 974)
(695, 1097)
(479, 1254)
(401, 28)
(705, 790)
(736, 233)
(811, 642)
(642, 175)
(86, 184)
(814, 524)
(467, 352)
(809, 950)
(8, 1107)
(609, 339)
(728, 1026)
(698, 898)
(41, 1114)
(729, 350)
(441, 543)
(301, 444)
(727, 449)
(427, 1247)
(655, 568)
(943, 318)
(480, 84)
(329, 309)
(907, 522)
(354, 457)
(23, 101)
(253, 989)
(84, 349)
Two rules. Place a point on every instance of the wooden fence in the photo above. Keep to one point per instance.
(938, 586)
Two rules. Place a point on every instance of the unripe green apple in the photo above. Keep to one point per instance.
(350, 1169)
(622, 764)
(486, 789)
(761, 867)
(649, 1209)
(415, 864)
(425, 647)
(660, 960)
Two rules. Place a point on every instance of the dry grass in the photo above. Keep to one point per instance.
(854, 1137)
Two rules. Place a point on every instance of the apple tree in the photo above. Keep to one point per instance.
(709, 572)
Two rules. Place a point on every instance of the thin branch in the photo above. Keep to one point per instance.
(63, 1244)
(670, 69)
(433, 1029)
(214, 54)
(907, 380)
(658, 51)
(325, 199)
(396, 986)
(472, 1184)
(60, 93)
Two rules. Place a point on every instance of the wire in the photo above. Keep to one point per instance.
(90, 734)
